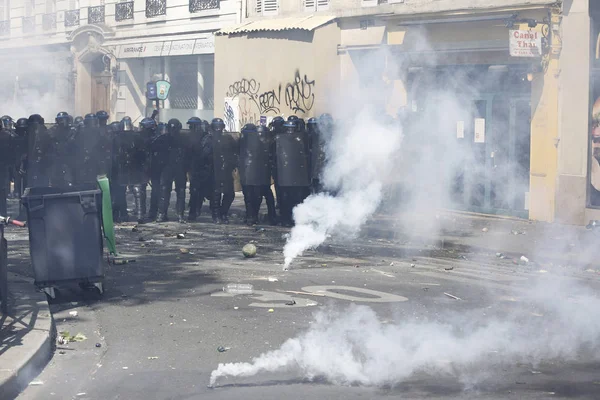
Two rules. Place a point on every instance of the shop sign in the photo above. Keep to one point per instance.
(151, 91)
(525, 43)
(182, 47)
(205, 45)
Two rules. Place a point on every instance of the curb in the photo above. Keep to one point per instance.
(30, 312)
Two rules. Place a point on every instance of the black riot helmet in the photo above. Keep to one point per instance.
(217, 125)
(102, 117)
(7, 122)
(78, 122)
(277, 124)
(21, 126)
(114, 127)
(300, 125)
(62, 119)
(162, 128)
(249, 128)
(195, 125)
(312, 125)
(262, 130)
(289, 127)
(126, 124)
(70, 120)
(174, 125)
(293, 118)
(90, 121)
(148, 123)
(205, 126)
(36, 119)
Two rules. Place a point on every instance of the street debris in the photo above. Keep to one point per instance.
(484, 229)
(125, 367)
(290, 303)
(448, 268)
(98, 345)
(304, 293)
(272, 279)
(222, 349)
(123, 261)
(62, 352)
(236, 308)
(357, 266)
(452, 296)
(412, 265)
(271, 310)
(249, 250)
(535, 372)
(157, 241)
(500, 255)
(153, 358)
(259, 229)
(180, 236)
(542, 271)
(36, 383)
(73, 313)
(514, 232)
(524, 259)
(238, 288)
(65, 337)
(134, 229)
(324, 265)
(184, 250)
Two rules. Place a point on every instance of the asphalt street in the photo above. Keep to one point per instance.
(156, 331)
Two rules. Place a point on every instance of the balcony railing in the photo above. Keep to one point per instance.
(28, 24)
(96, 15)
(71, 18)
(4, 28)
(124, 11)
(49, 22)
(201, 5)
(154, 8)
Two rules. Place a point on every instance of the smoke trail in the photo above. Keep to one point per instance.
(352, 346)
(359, 158)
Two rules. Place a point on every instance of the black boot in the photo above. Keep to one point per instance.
(161, 217)
(224, 219)
(215, 218)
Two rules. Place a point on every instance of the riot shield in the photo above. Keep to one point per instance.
(317, 155)
(292, 160)
(255, 166)
(224, 156)
(61, 157)
(38, 155)
(131, 158)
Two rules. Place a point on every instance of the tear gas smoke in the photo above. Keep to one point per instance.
(359, 157)
(353, 346)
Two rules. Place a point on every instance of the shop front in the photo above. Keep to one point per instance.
(188, 64)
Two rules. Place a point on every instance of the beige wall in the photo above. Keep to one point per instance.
(574, 84)
(272, 73)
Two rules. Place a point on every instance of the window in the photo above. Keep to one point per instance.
(201, 5)
(184, 84)
(316, 5)
(267, 7)
(154, 8)
(4, 10)
(124, 10)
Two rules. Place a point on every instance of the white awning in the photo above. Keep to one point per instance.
(308, 23)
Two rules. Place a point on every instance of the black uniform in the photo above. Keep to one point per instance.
(61, 153)
(255, 171)
(159, 157)
(292, 170)
(174, 171)
(224, 162)
(94, 151)
(21, 155)
(7, 160)
(200, 166)
(317, 154)
(39, 145)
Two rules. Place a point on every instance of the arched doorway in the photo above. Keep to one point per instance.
(100, 83)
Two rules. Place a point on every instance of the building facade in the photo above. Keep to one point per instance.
(82, 56)
(526, 73)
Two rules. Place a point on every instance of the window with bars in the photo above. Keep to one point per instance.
(267, 7)
(71, 18)
(28, 24)
(96, 15)
(49, 21)
(155, 8)
(316, 5)
(124, 10)
(201, 5)
(184, 82)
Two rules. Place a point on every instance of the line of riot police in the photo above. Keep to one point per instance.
(76, 151)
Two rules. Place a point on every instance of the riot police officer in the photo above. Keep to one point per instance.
(38, 145)
(21, 155)
(7, 123)
(61, 154)
(174, 171)
(225, 161)
(78, 124)
(102, 118)
(276, 126)
(200, 165)
(159, 150)
(292, 170)
(255, 171)
(120, 164)
(317, 154)
(7, 160)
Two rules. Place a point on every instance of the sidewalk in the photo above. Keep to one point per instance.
(25, 336)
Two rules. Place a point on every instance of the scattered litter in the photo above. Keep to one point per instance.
(184, 251)
(36, 383)
(80, 337)
(235, 308)
(311, 304)
(537, 314)
(357, 266)
(65, 337)
(123, 261)
(222, 349)
(62, 352)
(449, 268)
(98, 345)
(500, 255)
(81, 394)
(517, 232)
(238, 288)
(61, 340)
(184, 320)
(304, 293)
(535, 372)
(271, 310)
(259, 229)
(249, 250)
(484, 229)
(425, 289)
(324, 265)
(272, 279)
(73, 313)
(452, 296)
(125, 367)
(153, 358)
(542, 271)
(412, 265)
(134, 229)
(391, 264)
(290, 303)
(180, 236)
(524, 259)
(157, 241)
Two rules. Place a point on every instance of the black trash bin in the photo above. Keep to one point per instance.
(65, 236)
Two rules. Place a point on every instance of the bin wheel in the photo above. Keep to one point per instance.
(99, 287)
(96, 287)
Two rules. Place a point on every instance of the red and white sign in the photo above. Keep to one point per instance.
(525, 43)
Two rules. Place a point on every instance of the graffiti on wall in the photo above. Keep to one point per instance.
(252, 103)
(231, 114)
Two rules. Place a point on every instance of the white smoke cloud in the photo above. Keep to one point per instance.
(353, 346)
